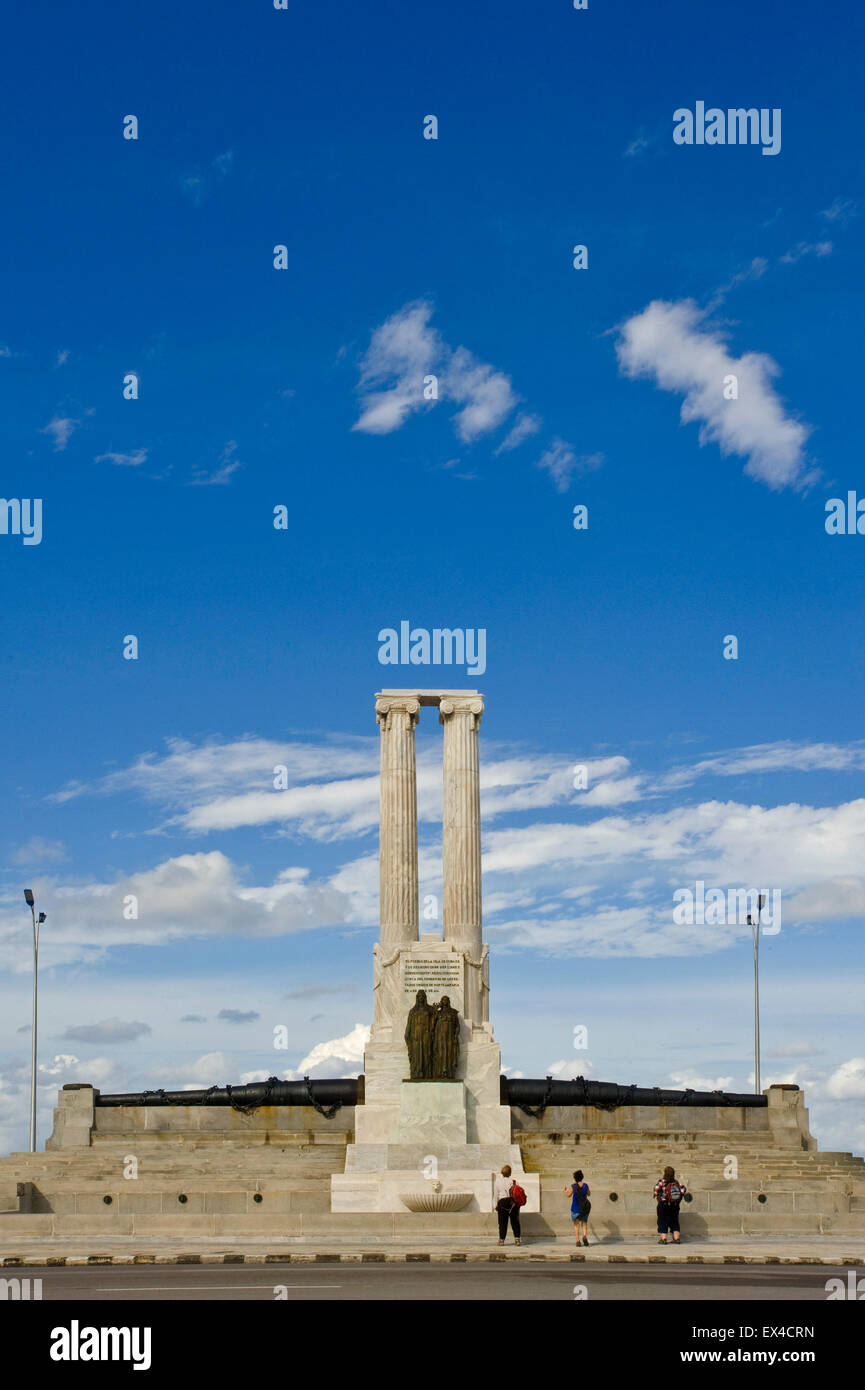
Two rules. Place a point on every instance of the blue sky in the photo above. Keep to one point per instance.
(303, 388)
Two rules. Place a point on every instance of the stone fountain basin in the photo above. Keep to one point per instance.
(435, 1201)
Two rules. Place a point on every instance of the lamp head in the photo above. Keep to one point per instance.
(41, 918)
(28, 897)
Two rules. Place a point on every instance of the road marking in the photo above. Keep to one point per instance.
(166, 1288)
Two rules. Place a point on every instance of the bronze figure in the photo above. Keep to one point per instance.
(446, 1041)
(419, 1038)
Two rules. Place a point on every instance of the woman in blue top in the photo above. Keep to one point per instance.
(578, 1192)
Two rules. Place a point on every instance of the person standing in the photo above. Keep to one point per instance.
(668, 1193)
(506, 1207)
(578, 1191)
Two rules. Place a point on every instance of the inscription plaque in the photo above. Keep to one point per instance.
(437, 975)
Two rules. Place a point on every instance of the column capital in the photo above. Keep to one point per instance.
(461, 704)
(396, 704)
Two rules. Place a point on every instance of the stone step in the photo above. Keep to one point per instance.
(384, 1227)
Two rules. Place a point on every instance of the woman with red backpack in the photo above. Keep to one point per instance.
(668, 1193)
(508, 1197)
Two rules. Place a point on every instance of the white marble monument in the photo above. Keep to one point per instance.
(430, 1145)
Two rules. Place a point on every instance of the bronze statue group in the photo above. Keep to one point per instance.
(432, 1036)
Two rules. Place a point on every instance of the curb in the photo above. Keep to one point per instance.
(420, 1257)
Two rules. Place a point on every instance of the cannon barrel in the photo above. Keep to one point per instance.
(335, 1093)
(338, 1092)
(607, 1095)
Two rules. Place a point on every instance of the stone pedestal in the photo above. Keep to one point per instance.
(430, 1152)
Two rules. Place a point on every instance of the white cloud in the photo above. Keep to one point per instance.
(638, 144)
(689, 1080)
(841, 210)
(190, 895)
(562, 463)
(331, 1058)
(806, 248)
(39, 850)
(753, 271)
(218, 477)
(133, 460)
(524, 428)
(402, 351)
(669, 343)
(486, 395)
(783, 756)
(405, 349)
(614, 792)
(60, 430)
(847, 1082)
(593, 878)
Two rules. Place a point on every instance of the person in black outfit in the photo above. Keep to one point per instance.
(506, 1207)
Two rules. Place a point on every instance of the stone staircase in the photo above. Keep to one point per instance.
(198, 1186)
(218, 1186)
(774, 1191)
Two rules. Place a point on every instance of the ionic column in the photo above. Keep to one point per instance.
(398, 881)
(461, 822)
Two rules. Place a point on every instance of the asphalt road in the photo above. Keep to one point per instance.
(431, 1282)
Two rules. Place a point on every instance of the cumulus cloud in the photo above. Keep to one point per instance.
(485, 394)
(402, 351)
(405, 349)
(847, 1082)
(597, 877)
(572, 1068)
(671, 344)
(333, 1057)
(190, 895)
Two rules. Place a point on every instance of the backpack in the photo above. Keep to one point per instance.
(518, 1196)
(583, 1198)
(672, 1192)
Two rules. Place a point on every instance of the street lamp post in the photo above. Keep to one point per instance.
(755, 936)
(37, 922)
